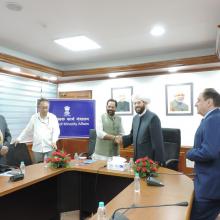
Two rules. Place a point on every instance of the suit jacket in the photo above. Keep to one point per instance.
(206, 154)
(6, 135)
(146, 136)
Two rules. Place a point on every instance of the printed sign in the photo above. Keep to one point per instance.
(75, 117)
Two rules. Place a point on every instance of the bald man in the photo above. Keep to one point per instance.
(146, 133)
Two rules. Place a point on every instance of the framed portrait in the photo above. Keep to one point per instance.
(179, 99)
(123, 97)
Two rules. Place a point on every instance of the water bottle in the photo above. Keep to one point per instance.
(76, 159)
(137, 186)
(131, 164)
(101, 213)
(22, 167)
(45, 160)
(109, 166)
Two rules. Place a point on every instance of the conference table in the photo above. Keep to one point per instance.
(45, 192)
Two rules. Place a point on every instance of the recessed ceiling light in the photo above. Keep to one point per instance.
(53, 78)
(114, 75)
(15, 69)
(13, 6)
(157, 31)
(173, 69)
(79, 43)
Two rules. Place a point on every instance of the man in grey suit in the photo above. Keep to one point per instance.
(146, 134)
(5, 139)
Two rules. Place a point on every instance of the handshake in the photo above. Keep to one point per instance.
(118, 139)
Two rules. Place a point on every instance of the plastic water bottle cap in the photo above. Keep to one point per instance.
(101, 204)
(137, 174)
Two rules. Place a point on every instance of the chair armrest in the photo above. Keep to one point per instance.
(172, 164)
(83, 154)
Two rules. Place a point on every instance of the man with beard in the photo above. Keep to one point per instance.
(146, 134)
(108, 127)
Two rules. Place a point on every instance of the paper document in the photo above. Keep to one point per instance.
(189, 163)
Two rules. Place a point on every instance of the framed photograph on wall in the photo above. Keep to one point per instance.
(123, 97)
(179, 99)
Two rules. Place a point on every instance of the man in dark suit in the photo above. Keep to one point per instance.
(5, 139)
(146, 133)
(206, 154)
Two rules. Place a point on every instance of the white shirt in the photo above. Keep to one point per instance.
(43, 132)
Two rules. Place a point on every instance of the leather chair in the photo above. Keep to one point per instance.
(91, 146)
(17, 154)
(172, 144)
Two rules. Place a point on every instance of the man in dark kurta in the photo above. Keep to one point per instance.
(146, 134)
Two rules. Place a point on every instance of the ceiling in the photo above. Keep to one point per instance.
(120, 27)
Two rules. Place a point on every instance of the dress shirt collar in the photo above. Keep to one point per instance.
(44, 120)
(111, 117)
(143, 112)
(209, 112)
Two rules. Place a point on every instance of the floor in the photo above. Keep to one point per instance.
(74, 215)
(70, 215)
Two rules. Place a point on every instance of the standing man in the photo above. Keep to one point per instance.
(5, 139)
(146, 133)
(108, 127)
(43, 129)
(206, 154)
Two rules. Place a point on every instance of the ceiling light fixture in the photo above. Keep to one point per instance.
(79, 43)
(157, 31)
(15, 69)
(53, 78)
(173, 69)
(114, 75)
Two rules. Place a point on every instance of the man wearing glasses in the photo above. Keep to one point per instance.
(43, 129)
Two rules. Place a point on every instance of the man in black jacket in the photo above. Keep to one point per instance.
(5, 139)
(146, 134)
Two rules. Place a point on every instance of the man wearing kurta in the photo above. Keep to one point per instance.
(108, 127)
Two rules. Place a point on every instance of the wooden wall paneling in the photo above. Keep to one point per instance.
(29, 64)
(85, 94)
(144, 66)
(73, 145)
(182, 164)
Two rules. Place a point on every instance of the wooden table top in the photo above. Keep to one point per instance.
(178, 188)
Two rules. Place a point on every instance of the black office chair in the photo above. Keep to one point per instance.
(172, 143)
(17, 154)
(91, 146)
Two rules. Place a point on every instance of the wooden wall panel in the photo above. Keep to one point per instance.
(85, 94)
(73, 145)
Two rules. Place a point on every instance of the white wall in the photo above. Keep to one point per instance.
(18, 96)
(154, 88)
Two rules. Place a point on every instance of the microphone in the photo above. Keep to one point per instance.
(151, 181)
(176, 174)
(121, 216)
(15, 176)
